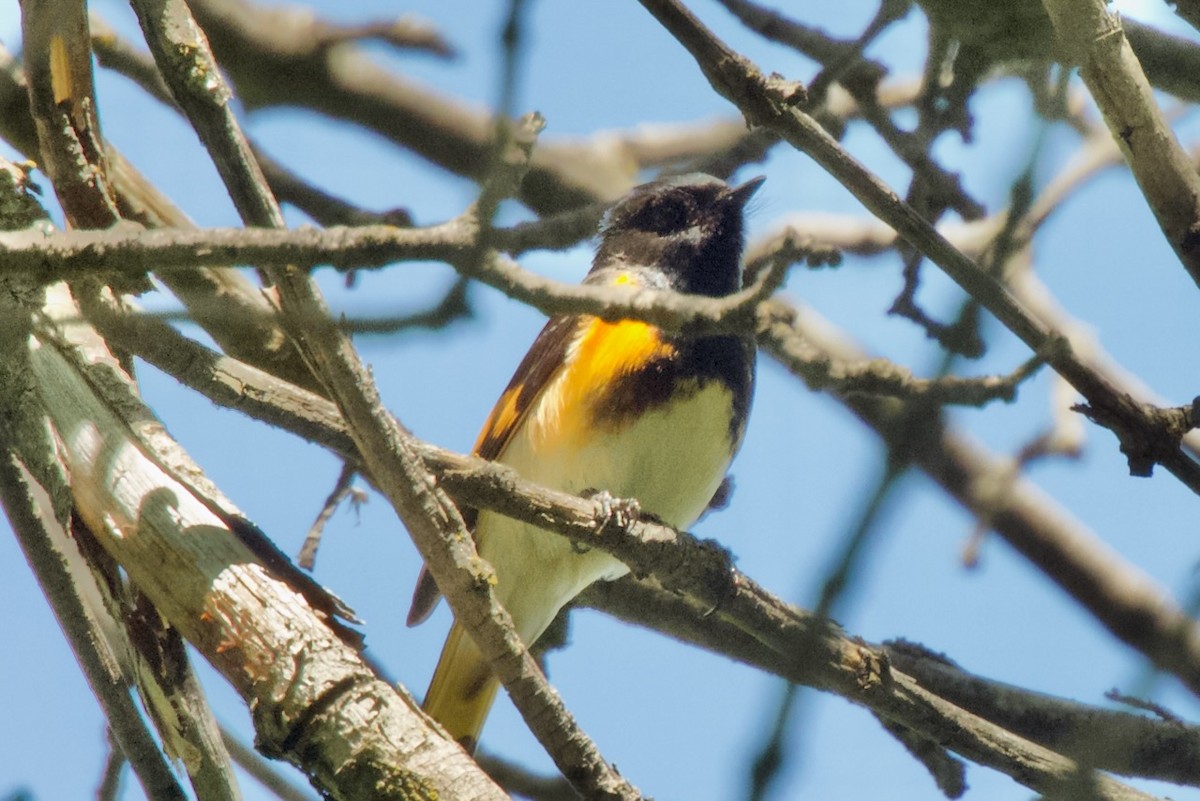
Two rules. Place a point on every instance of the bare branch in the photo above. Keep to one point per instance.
(36, 498)
(429, 515)
(881, 377)
(703, 575)
(190, 558)
(262, 771)
(948, 772)
(222, 301)
(66, 254)
(1094, 38)
(765, 103)
(63, 105)
(180, 49)
(343, 488)
(1119, 596)
(114, 766)
(25, 501)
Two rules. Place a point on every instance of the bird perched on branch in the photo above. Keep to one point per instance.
(621, 408)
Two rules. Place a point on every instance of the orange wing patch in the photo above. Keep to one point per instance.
(504, 418)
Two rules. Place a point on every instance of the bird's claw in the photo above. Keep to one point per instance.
(614, 511)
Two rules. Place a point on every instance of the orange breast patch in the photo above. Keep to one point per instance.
(604, 353)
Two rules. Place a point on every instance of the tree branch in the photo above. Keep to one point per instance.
(57, 565)
(1093, 38)
(220, 300)
(771, 104)
(1124, 600)
(755, 627)
(60, 255)
(429, 515)
(315, 702)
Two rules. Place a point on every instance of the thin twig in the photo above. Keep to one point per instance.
(263, 772)
(342, 488)
(1145, 705)
(114, 766)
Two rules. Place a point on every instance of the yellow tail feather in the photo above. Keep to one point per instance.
(462, 690)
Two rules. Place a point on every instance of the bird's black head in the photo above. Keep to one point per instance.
(688, 227)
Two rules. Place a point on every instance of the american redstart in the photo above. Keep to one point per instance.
(621, 408)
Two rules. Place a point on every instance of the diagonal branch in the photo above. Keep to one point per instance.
(771, 103)
(433, 521)
(63, 105)
(725, 604)
(315, 702)
(1168, 180)
(221, 300)
(36, 498)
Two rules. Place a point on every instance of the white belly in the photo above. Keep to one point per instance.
(671, 460)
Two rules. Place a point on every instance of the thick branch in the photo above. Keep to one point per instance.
(315, 702)
(36, 499)
(1164, 172)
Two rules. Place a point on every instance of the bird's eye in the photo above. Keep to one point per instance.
(663, 215)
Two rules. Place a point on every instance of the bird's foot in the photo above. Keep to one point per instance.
(612, 511)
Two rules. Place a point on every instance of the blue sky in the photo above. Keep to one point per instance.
(678, 723)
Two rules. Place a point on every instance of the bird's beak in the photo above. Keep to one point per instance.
(740, 195)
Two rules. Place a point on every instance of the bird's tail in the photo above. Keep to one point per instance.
(462, 689)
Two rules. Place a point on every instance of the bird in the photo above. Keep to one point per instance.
(620, 409)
